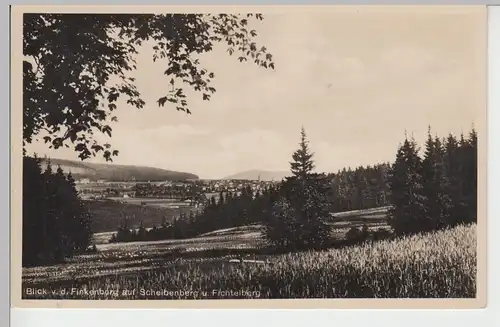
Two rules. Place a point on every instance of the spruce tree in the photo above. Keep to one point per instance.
(302, 164)
(407, 215)
(469, 176)
(454, 165)
(48, 217)
(61, 227)
(443, 183)
(33, 211)
(302, 211)
(82, 220)
(56, 224)
(437, 201)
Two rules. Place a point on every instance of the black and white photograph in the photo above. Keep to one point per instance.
(261, 153)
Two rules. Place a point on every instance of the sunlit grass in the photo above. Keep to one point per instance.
(437, 265)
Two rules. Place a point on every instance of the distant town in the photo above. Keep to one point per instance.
(193, 193)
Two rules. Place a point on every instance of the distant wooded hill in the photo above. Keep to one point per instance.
(263, 174)
(116, 173)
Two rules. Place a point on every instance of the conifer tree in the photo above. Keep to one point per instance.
(407, 214)
(302, 211)
(469, 173)
(302, 164)
(454, 165)
(437, 202)
(61, 227)
(56, 224)
(82, 218)
(33, 211)
(49, 204)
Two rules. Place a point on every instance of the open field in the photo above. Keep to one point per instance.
(117, 258)
(146, 201)
(107, 215)
(150, 201)
(442, 264)
(373, 218)
(122, 258)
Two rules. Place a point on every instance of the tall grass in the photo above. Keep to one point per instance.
(437, 265)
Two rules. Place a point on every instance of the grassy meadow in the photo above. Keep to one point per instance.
(107, 215)
(441, 264)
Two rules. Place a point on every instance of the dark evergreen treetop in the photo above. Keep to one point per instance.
(302, 164)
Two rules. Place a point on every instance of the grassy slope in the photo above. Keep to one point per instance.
(441, 264)
(112, 172)
(120, 257)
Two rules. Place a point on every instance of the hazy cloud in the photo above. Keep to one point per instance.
(355, 81)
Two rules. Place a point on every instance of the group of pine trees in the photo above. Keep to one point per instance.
(56, 224)
(426, 192)
(180, 227)
(295, 213)
(437, 190)
(234, 209)
(361, 188)
(229, 210)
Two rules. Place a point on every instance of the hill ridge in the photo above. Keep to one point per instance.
(115, 173)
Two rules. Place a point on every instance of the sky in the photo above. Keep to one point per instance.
(355, 80)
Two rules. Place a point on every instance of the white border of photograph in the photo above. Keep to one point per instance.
(215, 317)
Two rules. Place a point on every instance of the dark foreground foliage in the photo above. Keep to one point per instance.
(56, 223)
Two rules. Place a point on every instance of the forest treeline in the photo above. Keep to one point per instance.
(361, 188)
(428, 188)
(352, 189)
(431, 190)
(231, 209)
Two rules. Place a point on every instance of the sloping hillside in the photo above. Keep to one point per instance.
(263, 174)
(116, 173)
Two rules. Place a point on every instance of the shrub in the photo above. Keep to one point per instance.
(354, 235)
(382, 234)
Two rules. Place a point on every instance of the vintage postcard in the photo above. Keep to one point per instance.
(224, 157)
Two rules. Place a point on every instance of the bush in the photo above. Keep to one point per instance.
(382, 234)
(280, 226)
(354, 235)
